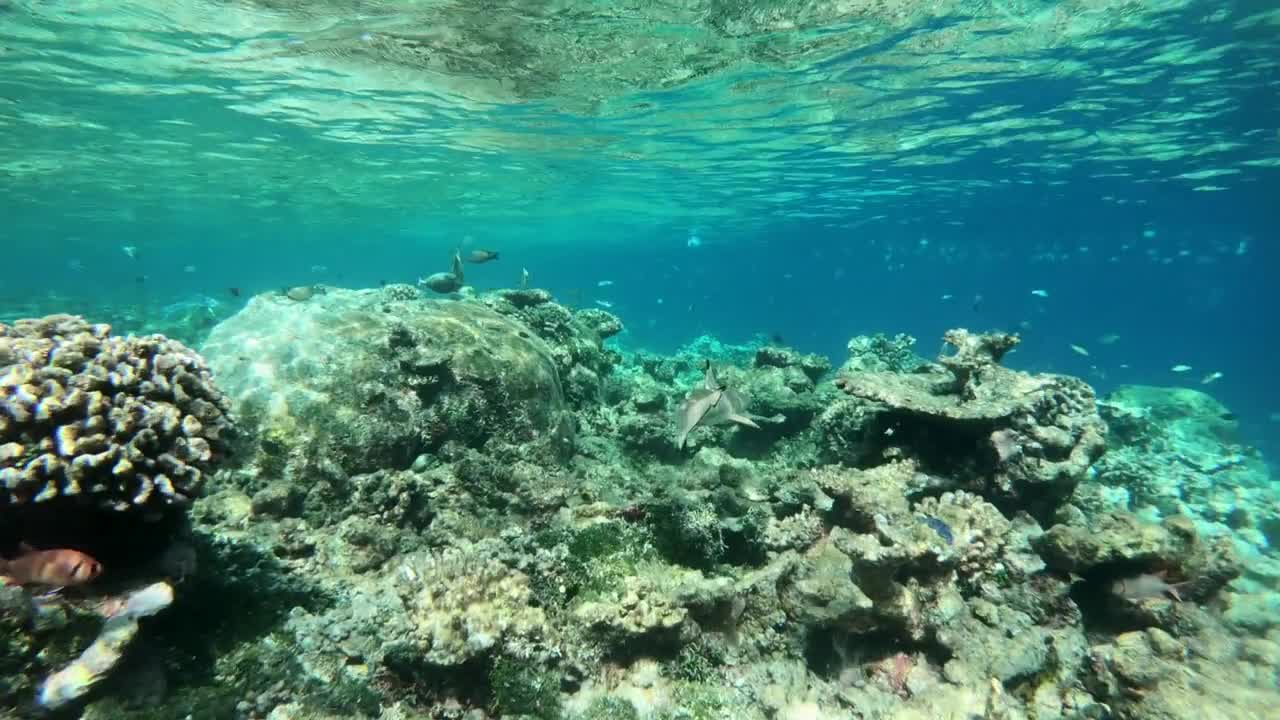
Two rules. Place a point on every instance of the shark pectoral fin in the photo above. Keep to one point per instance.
(743, 420)
(683, 436)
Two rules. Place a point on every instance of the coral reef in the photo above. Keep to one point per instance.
(1178, 452)
(1023, 440)
(913, 540)
(105, 441)
(120, 422)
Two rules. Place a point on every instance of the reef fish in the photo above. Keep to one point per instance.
(446, 282)
(712, 404)
(61, 567)
(940, 527)
(1147, 586)
(302, 293)
(482, 256)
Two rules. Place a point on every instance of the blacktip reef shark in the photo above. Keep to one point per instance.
(714, 404)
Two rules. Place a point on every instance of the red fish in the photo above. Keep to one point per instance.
(62, 567)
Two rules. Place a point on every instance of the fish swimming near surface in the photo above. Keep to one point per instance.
(1147, 586)
(61, 567)
(713, 404)
(482, 256)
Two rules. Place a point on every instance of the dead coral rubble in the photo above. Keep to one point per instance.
(132, 422)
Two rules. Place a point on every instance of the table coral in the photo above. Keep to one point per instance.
(1036, 435)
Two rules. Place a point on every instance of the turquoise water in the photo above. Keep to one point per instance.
(844, 168)
(1098, 176)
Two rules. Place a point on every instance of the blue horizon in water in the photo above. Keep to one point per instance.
(1175, 285)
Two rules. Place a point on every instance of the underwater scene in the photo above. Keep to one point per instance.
(639, 360)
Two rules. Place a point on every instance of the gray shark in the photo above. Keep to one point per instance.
(712, 404)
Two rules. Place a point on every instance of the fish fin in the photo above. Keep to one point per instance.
(457, 264)
(743, 420)
(1175, 590)
(682, 437)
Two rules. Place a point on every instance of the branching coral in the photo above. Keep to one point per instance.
(126, 422)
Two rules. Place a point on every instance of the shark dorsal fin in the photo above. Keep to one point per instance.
(709, 379)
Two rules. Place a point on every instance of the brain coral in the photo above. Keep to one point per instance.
(126, 422)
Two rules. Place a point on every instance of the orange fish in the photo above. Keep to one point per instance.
(60, 568)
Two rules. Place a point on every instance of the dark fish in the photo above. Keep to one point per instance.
(941, 528)
(235, 291)
(776, 338)
(442, 282)
(382, 283)
(482, 256)
(140, 279)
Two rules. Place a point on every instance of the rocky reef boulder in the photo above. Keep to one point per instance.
(367, 380)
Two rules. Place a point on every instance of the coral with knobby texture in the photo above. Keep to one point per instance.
(460, 604)
(1039, 433)
(652, 607)
(813, 366)
(575, 338)
(879, 353)
(120, 422)
(353, 382)
(401, 291)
